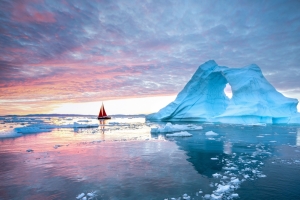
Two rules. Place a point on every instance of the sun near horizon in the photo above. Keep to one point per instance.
(131, 106)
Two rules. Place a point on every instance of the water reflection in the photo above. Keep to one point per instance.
(298, 137)
(120, 159)
(208, 154)
(102, 125)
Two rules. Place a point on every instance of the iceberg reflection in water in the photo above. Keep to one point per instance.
(121, 159)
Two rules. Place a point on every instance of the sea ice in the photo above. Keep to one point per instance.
(179, 134)
(169, 127)
(216, 175)
(84, 125)
(80, 196)
(29, 150)
(255, 101)
(223, 188)
(31, 129)
(211, 133)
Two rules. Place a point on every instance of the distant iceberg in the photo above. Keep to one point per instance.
(254, 100)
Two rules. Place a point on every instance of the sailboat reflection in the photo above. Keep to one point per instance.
(102, 125)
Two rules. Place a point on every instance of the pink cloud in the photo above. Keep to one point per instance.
(24, 12)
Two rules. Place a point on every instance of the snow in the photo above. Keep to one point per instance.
(169, 127)
(179, 134)
(255, 101)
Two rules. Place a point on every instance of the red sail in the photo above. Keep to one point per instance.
(102, 112)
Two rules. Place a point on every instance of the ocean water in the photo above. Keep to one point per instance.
(51, 157)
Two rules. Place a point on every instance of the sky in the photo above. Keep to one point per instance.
(61, 56)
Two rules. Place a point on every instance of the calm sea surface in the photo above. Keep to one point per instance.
(48, 158)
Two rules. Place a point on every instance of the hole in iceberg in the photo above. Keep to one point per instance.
(228, 91)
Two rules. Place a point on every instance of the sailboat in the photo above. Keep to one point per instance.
(102, 113)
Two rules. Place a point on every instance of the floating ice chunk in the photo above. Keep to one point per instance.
(216, 175)
(175, 128)
(80, 196)
(179, 134)
(207, 196)
(81, 125)
(57, 145)
(31, 129)
(273, 141)
(234, 195)
(246, 176)
(214, 158)
(214, 196)
(185, 196)
(83, 120)
(223, 188)
(211, 133)
(92, 194)
(260, 136)
(230, 168)
(114, 123)
(262, 176)
(9, 134)
(235, 181)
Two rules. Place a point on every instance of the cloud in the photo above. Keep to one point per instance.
(62, 50)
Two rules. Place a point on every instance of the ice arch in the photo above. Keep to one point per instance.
(254, 99)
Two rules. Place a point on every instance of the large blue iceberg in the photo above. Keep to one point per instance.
(254, 99)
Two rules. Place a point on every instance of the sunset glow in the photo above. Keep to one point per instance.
(69, 56)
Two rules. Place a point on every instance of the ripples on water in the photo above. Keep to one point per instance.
(121, 159)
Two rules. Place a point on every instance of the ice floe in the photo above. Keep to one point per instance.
(211, 133)
(179, 134)
(88, 196)
(169, 127)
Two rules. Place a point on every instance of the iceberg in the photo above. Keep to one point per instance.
(254, 100)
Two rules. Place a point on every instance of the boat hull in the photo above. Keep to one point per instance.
(106, 117)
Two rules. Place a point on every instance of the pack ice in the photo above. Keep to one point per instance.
(254, 99)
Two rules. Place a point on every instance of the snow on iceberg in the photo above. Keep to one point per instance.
(254, 99)
(169, 127)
